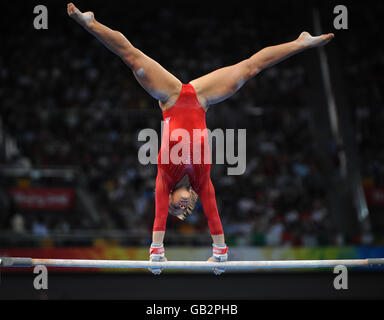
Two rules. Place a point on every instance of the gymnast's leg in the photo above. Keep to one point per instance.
(223, 83)
(156, 80)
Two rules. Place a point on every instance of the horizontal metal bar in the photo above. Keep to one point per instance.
(230, 265)
(13, 262)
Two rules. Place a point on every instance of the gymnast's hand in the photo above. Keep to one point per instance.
(157, 255)
(157, 271)
(220, 254)
(85, 19)
(216, 271)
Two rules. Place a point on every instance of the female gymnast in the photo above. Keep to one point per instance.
(184, 106)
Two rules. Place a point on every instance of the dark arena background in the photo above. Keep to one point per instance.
(71, 185)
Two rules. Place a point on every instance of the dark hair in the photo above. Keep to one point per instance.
(183, 183)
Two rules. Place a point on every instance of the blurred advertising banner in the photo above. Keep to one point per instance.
(375, 196)
(43, 198)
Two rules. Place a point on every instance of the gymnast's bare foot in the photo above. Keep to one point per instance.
(305, 40)
(85, 19)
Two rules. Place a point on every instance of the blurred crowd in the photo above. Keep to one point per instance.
(68, 101)
(363, 64)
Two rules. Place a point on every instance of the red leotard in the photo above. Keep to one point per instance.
(186, 114)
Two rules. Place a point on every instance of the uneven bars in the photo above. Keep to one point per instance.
(229, 265)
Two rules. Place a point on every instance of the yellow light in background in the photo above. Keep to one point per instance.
(23, 183)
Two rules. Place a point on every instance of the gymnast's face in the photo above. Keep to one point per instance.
(180, 198)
